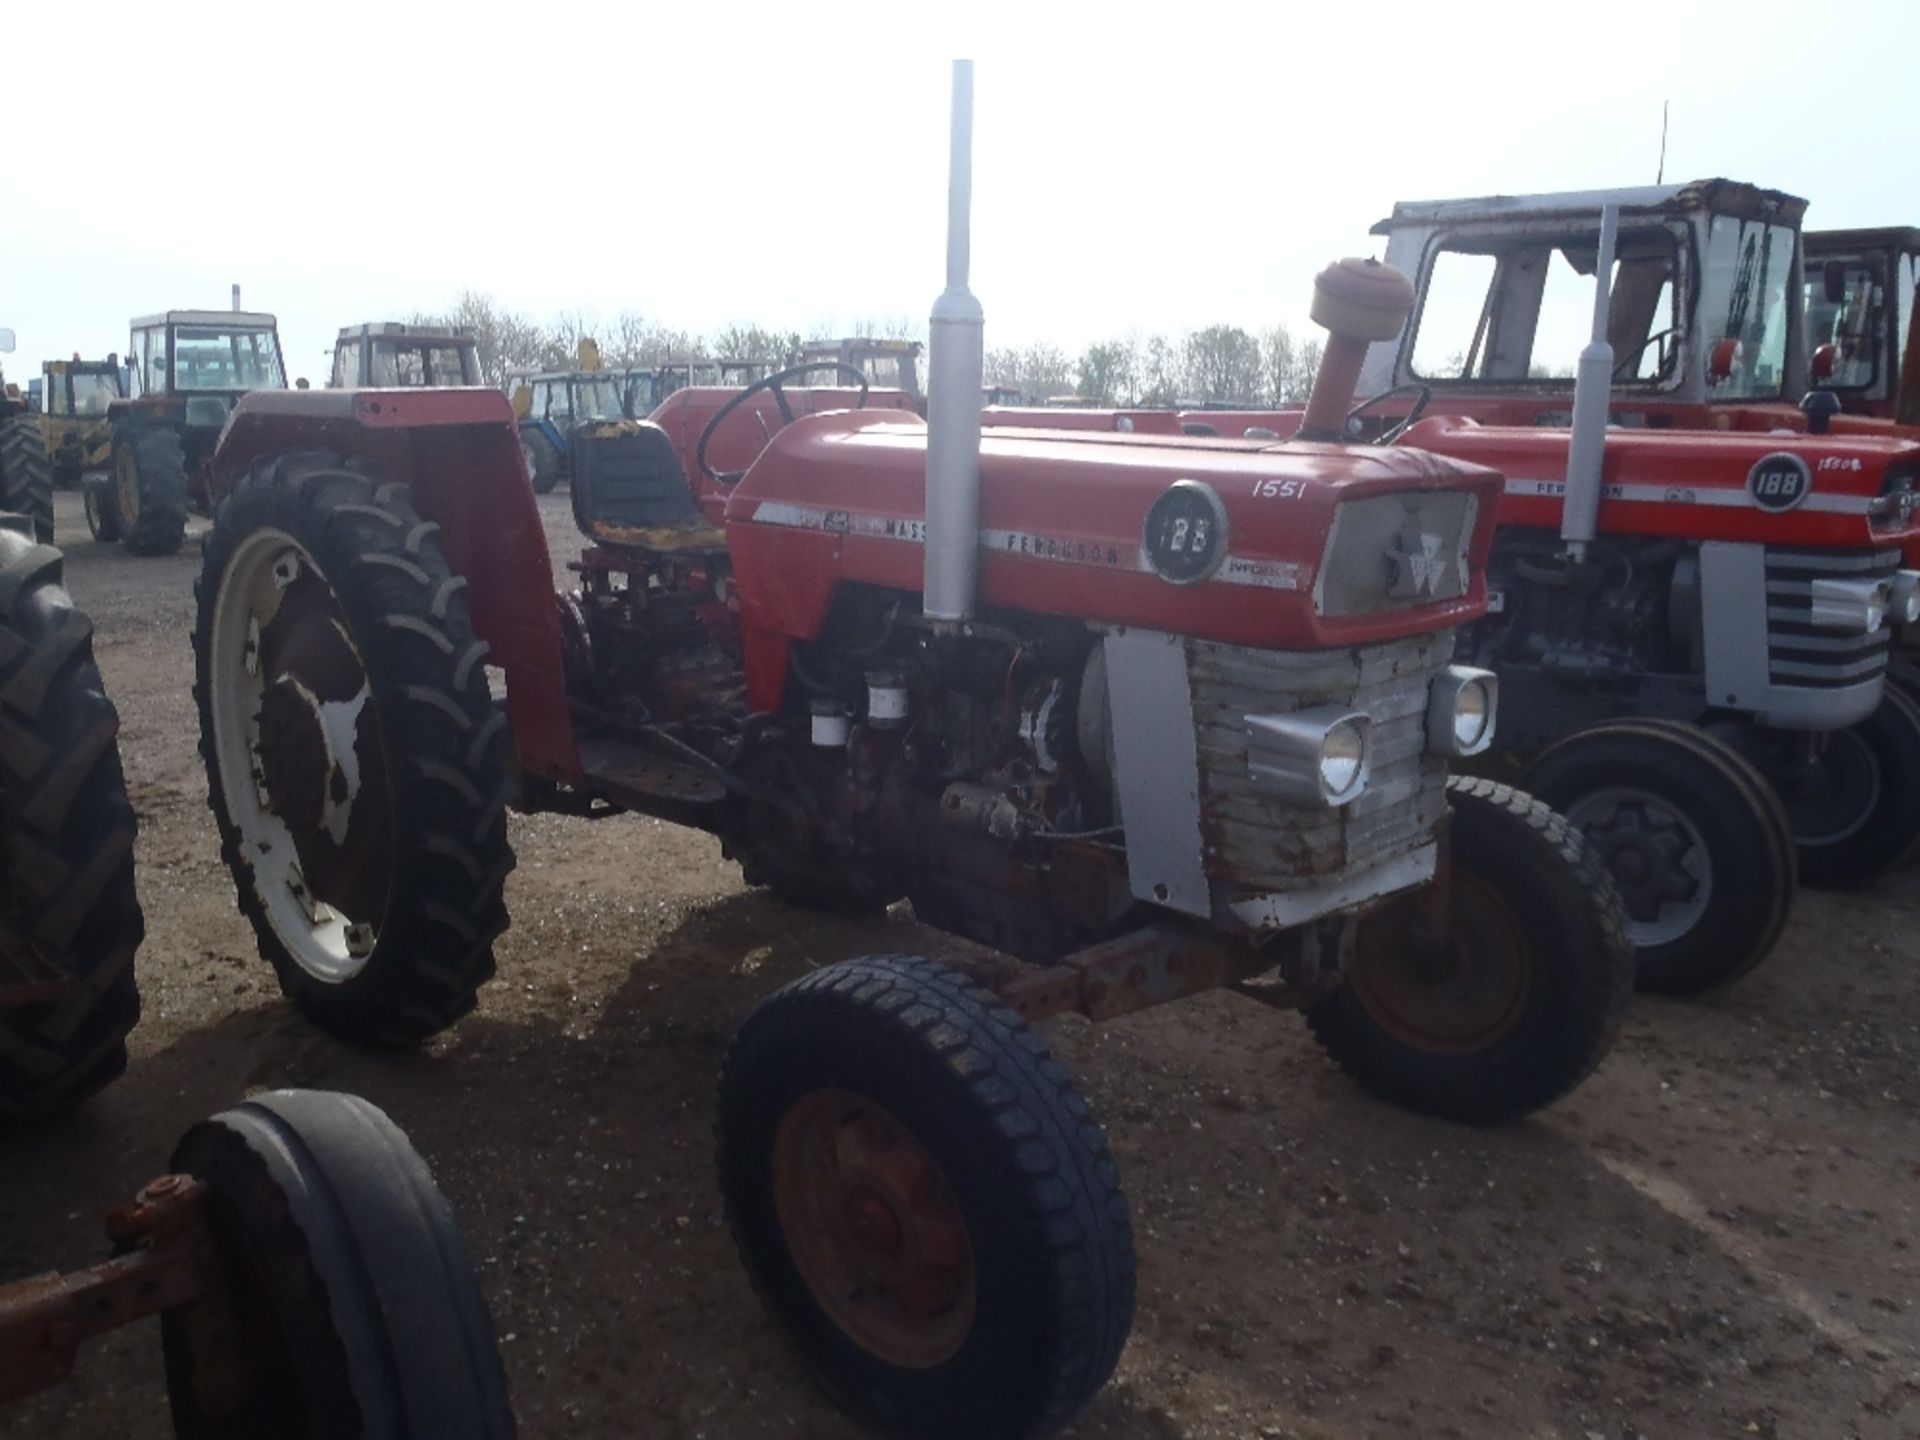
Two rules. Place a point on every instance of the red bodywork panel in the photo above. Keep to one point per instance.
(1649, 472)
(1066, 417)
(744, 434)
(460, 452)
(840, 498)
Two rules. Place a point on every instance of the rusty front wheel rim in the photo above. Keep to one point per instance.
(126, 485)
(874, 1229)
(1465, 998)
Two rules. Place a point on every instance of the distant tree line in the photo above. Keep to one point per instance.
(1220, 364)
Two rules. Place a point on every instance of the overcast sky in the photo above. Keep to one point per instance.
(1157, 168)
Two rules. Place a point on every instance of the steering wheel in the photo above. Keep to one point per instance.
(775, 382)
(1392, 432)
(1631, 363)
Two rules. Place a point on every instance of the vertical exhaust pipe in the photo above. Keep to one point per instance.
(1361, 303)
(1592, 388)
(236, 299)
(956, 332)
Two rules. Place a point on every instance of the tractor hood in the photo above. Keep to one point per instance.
(1280, 546)
(1777, 488)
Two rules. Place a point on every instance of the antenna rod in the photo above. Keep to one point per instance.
(1660, 175)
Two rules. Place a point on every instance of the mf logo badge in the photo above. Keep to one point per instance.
(1779, 481)
(1186, 533)
(1416, 565)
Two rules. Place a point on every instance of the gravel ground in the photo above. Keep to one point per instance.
(1714, 1237)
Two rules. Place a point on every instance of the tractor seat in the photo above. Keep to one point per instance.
(629, 489)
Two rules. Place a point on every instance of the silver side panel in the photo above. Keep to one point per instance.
(1156, 769)
(1282, 910)
(1752, 625)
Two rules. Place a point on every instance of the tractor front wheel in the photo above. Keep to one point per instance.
(69, 919)
(26, 474)
(1854, 807)
(356, 762)
(103, 518)
(350, 1309)
(543, 461)
(150, 491)
(924, 1201)
(1695, 839)
(1520, 998)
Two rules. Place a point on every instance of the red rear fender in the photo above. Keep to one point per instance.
(459, 450)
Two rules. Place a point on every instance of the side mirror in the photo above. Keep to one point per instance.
(301, 384)
(1826, 359)
(1723, 360)
(1833, 278)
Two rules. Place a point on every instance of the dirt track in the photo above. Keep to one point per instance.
(1715, 1237)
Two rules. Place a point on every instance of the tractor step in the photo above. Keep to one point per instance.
(642, 780)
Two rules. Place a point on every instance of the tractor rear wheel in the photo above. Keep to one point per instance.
(1694, 837)
(356, 762)
(103, 519)
(150, 490)
(1855, 809)
(354, 1309)
(543, 461)
(26, 474)
(1519, 1000)
(924, 1201)
(69, 919)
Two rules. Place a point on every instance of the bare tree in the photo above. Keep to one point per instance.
(1222, 365)
(1105, 373)
(754, 342)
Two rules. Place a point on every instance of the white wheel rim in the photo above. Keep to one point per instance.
(323, 942)
(1624, 816)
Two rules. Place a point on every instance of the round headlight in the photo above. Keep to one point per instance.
(1472, 710)
(1343, 758)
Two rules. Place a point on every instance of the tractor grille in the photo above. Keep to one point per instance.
(1801, 654)
(1256, 842)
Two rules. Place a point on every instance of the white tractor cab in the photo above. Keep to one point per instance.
(1505, 287)
(390, 353)
(1861, 299)
(887, 364)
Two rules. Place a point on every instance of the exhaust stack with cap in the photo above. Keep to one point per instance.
(954, 368)
(236, 299)
(1359, 302)
(1592, 388)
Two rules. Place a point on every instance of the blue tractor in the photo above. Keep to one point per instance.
(552, 407)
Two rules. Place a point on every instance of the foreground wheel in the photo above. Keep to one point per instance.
(103, 519)
(357, 1314)
(69, 919)
(150, 491)
(924, 1201)
(26, 474)
(1695, 839)
(543, 461)
(1855, 808)
(1524, 995)
(355, 760)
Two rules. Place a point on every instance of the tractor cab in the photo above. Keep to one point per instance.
(75, 397)
(680, 374)
(552, 408)
(391, 354)
(1860, 297)
(887, 364)
(1706, 308)
(209, 356)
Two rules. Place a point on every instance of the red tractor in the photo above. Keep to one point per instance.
(1143, 715)
(1725, 600)
(1862, 298)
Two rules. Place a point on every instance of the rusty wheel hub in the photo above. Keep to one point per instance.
(1458, 995)
(874, 1229)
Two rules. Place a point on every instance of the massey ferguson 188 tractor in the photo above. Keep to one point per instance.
(1145, 715)
(1729, 606)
